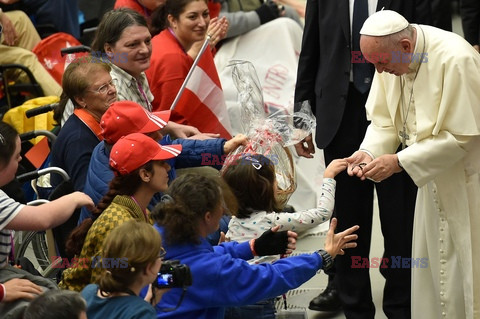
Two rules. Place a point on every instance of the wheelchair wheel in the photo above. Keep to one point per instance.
(38, 242)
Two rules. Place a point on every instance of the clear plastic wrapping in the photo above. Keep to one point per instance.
(269, 134)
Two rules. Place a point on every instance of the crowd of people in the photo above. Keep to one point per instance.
(402, 121)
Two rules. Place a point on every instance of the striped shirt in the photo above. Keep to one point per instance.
(129, 89)
(8, 210)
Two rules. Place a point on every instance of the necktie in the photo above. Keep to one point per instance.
(362, 74)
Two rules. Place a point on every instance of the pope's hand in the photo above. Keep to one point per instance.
(381, 168)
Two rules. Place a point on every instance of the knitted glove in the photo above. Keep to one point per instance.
(270, 243)
(268, 12)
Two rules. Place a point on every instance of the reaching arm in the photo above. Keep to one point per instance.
(50, 214)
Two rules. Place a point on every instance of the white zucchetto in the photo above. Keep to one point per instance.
(384, 23)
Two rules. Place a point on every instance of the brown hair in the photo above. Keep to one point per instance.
(251, 178)
(120, 185)
(135, 243)
(191, 197)
(76, 79)
(174, 8)
(112, 26)
(8, 143)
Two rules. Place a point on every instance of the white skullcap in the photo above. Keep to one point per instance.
(383, 23)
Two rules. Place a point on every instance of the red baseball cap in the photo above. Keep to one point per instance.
(134, 150)
(126, 117)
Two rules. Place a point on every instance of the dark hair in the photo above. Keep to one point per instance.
(251, 178)
(58, 304)
(159, 20)
(8, 143)
(112, 26)
(76, 79)
(192, 196)
(120, 185)
(139, 243)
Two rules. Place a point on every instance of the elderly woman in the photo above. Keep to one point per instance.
(88, 84)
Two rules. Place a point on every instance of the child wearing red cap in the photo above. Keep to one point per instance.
(125, 117)
(141, 170)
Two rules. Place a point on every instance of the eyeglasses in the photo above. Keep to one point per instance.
(104, 88)
(162, 253)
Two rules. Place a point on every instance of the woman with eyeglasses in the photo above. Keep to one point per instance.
(131, 258)
(140, 168)
(88, 84)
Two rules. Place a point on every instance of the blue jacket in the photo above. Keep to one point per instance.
(221, 278)
(99, 173)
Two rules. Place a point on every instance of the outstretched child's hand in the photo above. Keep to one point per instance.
(336, 243)
(335, 167)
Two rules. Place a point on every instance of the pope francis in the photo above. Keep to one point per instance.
(425, 95)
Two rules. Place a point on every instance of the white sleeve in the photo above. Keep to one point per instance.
(306, 219)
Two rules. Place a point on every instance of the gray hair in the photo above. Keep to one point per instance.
(394, 39)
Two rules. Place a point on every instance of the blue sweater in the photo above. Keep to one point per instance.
(121, 307)
(72, 151)
(222, 277)
(99, 173)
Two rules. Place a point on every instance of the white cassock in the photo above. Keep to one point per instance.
(443, 159)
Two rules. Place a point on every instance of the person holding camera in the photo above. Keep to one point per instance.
(141, 170)
(131, 258)
(221, 275)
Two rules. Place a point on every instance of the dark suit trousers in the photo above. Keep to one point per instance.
(354, 205)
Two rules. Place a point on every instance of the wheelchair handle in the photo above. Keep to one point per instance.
(75, 49)
(40, 110)
(40, 172)
(32, 134)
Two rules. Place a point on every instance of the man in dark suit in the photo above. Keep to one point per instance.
(325, 78)
(470, 13)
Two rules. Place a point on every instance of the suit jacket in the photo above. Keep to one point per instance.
(470, 13)
(325, 60)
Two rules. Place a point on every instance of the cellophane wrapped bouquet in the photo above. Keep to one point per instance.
(269, 134)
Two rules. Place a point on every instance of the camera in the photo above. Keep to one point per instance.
(173, 274)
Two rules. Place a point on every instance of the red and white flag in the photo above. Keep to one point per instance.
(202, 103)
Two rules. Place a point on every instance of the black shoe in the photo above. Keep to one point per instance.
(326, 301)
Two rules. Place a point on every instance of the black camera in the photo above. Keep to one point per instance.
(173, 274)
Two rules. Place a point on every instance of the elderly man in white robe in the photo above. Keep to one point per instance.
(426, 96)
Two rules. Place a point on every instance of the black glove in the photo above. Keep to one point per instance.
(268, 12)
(271, 243)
